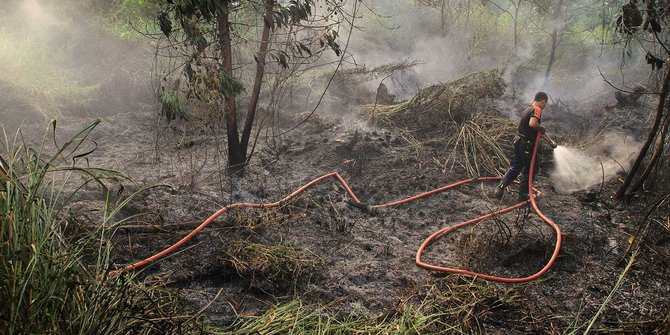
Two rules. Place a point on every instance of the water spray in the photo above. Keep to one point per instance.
(576, 169)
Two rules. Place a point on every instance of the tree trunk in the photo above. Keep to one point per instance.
(516, 30)
(260, 71)
(554, 42)
(552, 54)
(443, 19)
(516, 37)
(658, 150)
(665, 88)
(236, 157)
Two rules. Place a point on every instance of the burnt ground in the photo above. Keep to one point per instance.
(362, 261)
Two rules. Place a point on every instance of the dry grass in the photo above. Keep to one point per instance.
(277, 265)
(449, 306)
(435, 106)
(449, 115)
(294, 318)
(266, 218)
(480, 147)
(471, 303)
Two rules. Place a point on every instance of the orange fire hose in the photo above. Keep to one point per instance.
(423, 246)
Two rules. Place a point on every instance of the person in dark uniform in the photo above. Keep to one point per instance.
(529, 126)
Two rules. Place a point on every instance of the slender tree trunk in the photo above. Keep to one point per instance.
(236, 157)
(260, 72)
(554, 42)
(665, 88)
(516, 30)
(516, 35)
(552, 54)
(658, 150)
(443, 19)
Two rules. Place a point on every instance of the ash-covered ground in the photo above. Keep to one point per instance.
(321, 249)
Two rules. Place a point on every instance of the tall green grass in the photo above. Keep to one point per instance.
(51, 283)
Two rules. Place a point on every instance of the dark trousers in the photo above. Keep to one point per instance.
(520, 164)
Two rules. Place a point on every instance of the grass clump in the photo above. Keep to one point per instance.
(473, 303)
(51, 284)
(478, 148)
(294, 318)
(277, 265)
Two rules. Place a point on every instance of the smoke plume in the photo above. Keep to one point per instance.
(57, 59)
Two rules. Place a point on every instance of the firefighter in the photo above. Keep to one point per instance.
(524, 143)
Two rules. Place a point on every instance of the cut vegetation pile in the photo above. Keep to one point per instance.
(433, 107)
(457, 115)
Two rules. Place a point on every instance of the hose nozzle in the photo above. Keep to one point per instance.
(553, 143)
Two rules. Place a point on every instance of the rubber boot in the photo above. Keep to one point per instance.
(500, 190)
(523, 192)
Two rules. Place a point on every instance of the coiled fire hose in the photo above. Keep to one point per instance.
(432, 238)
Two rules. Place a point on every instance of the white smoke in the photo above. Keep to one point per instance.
(36, 17)
(576, 170)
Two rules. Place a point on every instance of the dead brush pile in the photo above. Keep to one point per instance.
(457, 117)
(438, 105)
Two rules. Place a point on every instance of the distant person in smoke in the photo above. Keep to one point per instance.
(524, 142)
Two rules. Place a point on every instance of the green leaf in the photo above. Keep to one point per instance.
(230, 86)
(173, 107)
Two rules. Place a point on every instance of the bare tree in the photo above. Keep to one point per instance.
(645, 21)
(211, 30)
(556, 34)
(450, 11)
(514, 13)
(564, 20)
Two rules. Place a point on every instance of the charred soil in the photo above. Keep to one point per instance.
(360, 261)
